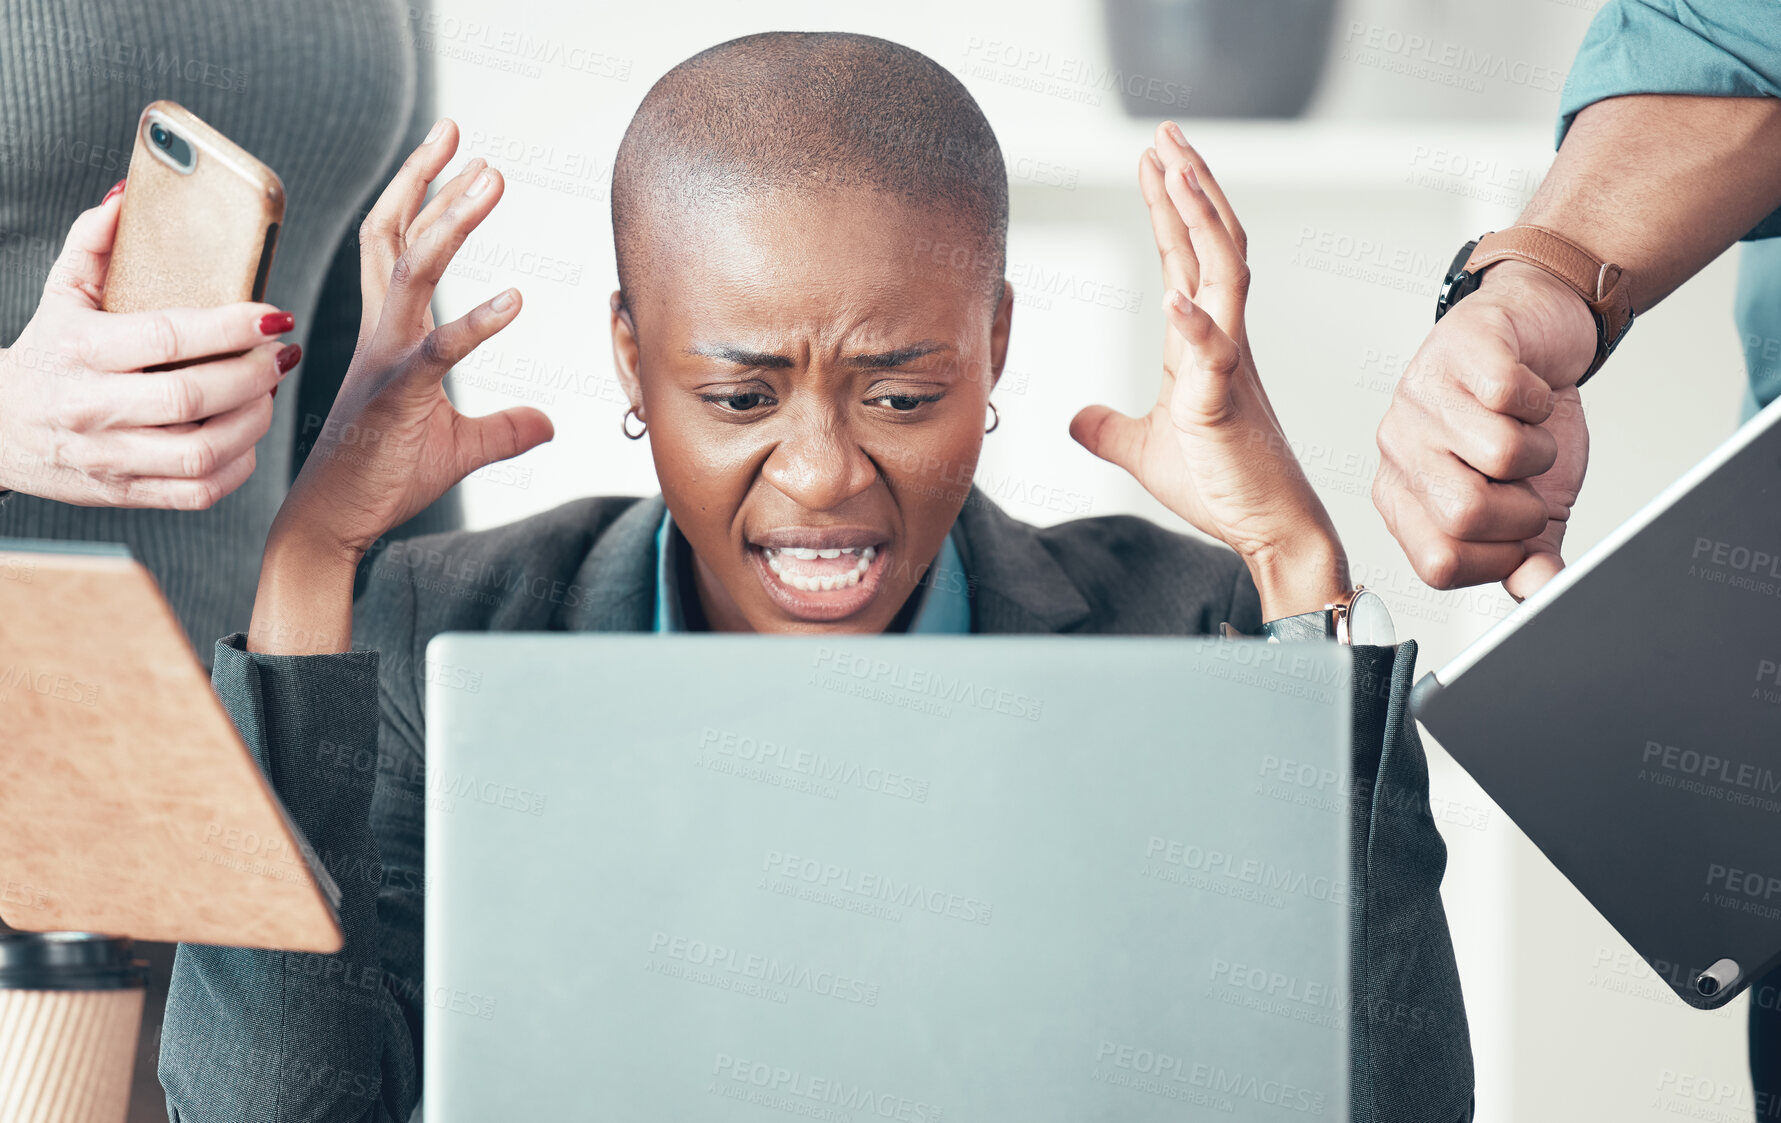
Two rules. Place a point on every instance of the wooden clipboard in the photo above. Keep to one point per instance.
(129, 804)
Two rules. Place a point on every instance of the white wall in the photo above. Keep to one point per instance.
(1352, 214)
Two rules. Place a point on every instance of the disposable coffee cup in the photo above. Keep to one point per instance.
(70, 1013)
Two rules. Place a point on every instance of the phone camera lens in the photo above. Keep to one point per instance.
(174, 150)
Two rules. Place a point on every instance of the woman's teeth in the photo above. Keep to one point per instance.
(778, 559)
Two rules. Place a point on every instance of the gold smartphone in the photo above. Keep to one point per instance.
(200, 218)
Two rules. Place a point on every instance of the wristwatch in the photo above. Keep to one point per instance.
(1361, 618)
(1601, 285)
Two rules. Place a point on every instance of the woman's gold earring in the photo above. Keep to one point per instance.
(625, 424)
(995, 418)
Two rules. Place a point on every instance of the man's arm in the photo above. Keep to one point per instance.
(1483, 450)
(1661, 184)
(1670, 123)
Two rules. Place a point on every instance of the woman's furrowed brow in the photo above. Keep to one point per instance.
(895, 358)
(880, 360)
(741, 356)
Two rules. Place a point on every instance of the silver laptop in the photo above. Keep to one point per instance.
(1628, 718)
(923, 879)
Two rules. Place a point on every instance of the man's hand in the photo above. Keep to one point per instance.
(1484, 447)
(1211, 449)
(1483, 450)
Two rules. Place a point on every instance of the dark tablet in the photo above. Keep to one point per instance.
(1628, 718)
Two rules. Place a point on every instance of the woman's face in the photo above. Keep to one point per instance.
(815, 372)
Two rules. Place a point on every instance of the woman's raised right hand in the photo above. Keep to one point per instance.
(82, 418)
(393, 442)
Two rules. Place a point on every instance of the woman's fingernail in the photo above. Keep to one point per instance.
(480, 185)
(275, 391)
(277, 323)
(1193, 177)
(115, 188)
(438, 131)
(503, 302)
(1155, 160)
(288, 356)
(1175, 131)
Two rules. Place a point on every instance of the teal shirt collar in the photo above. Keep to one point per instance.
(945, 607)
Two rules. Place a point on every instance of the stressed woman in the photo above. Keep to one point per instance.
(816, 389)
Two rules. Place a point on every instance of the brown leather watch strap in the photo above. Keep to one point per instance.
(1601, 285)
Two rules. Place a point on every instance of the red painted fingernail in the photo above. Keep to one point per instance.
(275, 391)
(115, 188)
(277, 323)
(287, 357)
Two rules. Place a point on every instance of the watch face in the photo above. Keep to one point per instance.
(1369, 622)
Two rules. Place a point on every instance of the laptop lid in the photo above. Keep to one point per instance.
(1046, 878)
(1627, 717)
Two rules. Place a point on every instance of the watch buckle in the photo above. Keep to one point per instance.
(1603, 283)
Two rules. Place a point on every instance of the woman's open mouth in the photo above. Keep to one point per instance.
(820, 578)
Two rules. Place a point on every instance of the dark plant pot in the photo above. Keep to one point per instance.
(1218, 58)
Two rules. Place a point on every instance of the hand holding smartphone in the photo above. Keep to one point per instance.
(200, 218)
(146, 375)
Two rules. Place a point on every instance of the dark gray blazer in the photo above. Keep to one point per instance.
(257, 1035)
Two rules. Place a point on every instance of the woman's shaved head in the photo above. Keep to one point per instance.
(805, 112)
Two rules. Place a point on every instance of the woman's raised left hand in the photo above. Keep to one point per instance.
(1211, 448)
